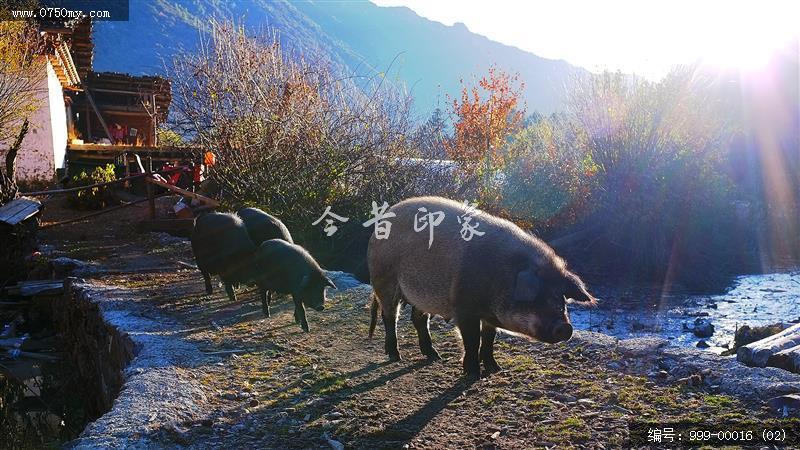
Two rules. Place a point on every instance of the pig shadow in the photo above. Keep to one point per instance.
(328, 401)
(379, 381)
(334, 398)
(403, 431)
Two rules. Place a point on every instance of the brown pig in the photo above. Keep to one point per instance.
(498, 276)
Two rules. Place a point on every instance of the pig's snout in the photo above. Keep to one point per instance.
(562, 332)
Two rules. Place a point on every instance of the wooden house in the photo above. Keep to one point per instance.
(85, 118)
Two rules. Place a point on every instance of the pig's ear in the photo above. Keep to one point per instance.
(526, 286)
(576, 291)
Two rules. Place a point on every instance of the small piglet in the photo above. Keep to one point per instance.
(263, 227)
(287, 268)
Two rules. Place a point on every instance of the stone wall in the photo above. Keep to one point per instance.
(98, 350)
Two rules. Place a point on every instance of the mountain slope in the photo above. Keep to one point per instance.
(427, 57)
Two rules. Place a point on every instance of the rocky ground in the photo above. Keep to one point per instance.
(214, 374)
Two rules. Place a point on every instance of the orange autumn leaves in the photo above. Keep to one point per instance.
(484, 117)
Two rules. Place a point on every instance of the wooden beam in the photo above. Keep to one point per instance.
(91, 157)
(97, 111)
(96, 213)
(184, 192)
(132, 148)
(151, 195)
(119, 91)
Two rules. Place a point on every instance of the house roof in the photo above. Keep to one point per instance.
(146, 87)
(82, 47)
(18, 210)
(69, 48)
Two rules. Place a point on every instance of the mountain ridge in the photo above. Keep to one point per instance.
(427, 57)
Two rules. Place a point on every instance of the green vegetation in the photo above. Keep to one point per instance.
(658, 180)
(21, 77)
(169, 138)
(96, 197)
(646, 164)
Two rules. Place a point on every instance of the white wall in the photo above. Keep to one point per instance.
(44, 148)
(58, 118)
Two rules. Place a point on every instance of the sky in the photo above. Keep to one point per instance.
(642, 37)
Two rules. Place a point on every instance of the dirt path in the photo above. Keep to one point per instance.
(269, 385)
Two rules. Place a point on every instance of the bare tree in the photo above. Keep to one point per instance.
(292, 136)
(21, 75)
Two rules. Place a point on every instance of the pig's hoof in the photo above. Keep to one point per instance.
(394, 357)
(304, 326)
(266, 312)
(433, 355)
(472, 371)
(491, 366)
(472, 375)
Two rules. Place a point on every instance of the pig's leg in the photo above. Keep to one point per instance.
(488, 334)
(374, 307)
(230, 292)
(207, 279)
(421, 320)
(470, 329)
(390, 325)
(300, 313)
(266, 299)
(389, 295)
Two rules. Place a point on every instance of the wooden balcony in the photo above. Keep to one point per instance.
(76, 152)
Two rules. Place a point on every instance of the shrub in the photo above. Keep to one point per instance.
(96, 197)
(293, 137)
(643, 165)
(550, 176)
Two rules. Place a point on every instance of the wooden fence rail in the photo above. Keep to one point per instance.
(103, 211)
(91, 186)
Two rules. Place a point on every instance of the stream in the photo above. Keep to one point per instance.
(753, 300)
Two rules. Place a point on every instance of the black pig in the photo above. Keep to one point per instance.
(222, 246)
(287, 268)
(263, 227)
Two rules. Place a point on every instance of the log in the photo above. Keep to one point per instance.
(575, 237)
(758, 353)
(11, 342)
(185, 193)
(788, 359)
(40, 356)
(31, 288)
